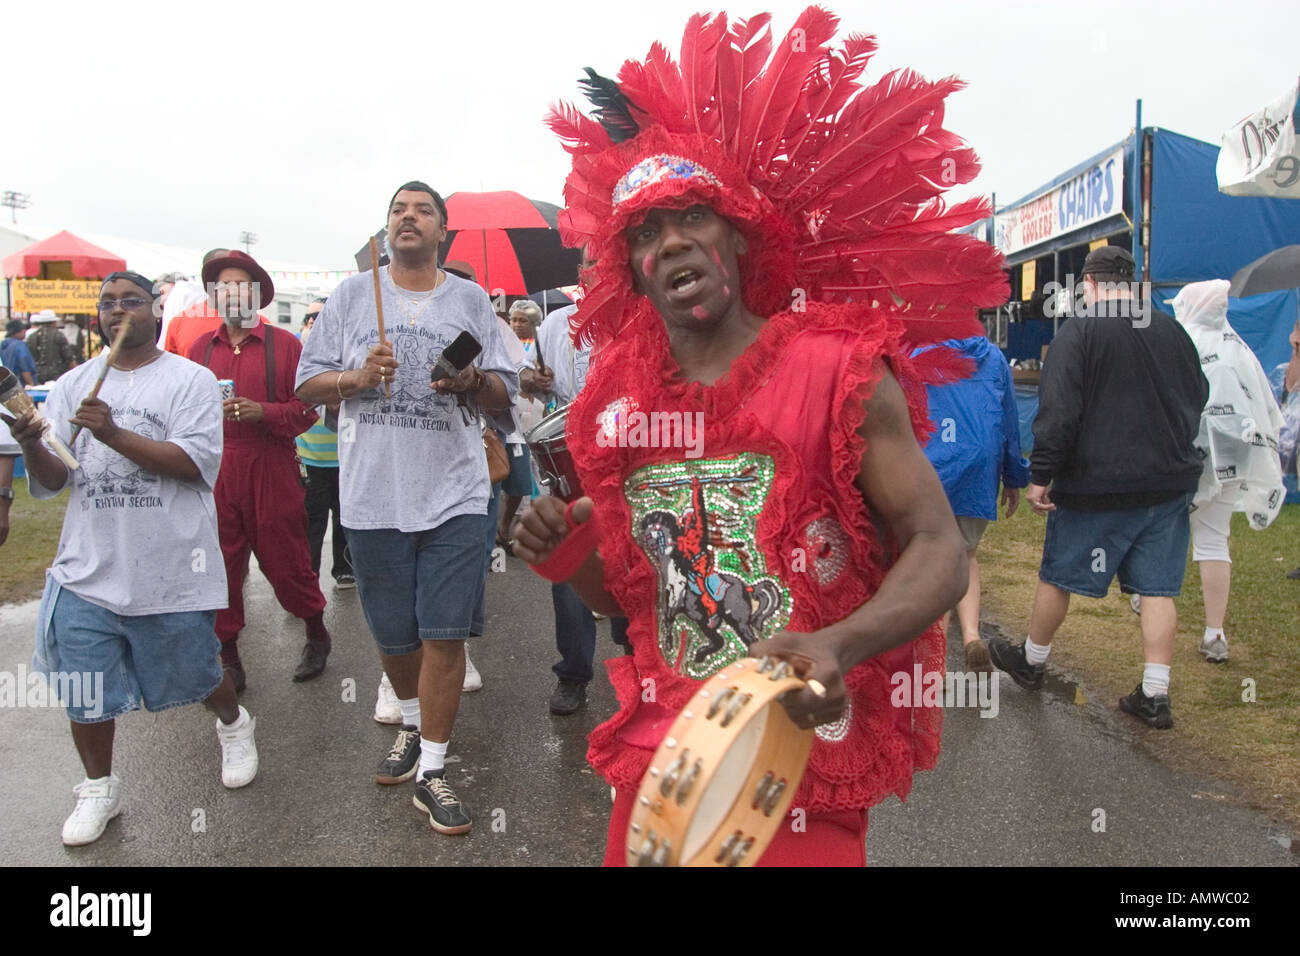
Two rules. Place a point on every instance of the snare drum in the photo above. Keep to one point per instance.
(719, 785)
(554, 463)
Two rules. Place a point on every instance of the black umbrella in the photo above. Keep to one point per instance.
(550, 300)
(1278, 270)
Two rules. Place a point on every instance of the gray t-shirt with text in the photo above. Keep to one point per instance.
(133, 541)
(407, 460)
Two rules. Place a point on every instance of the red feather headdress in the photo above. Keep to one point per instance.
(835, 185)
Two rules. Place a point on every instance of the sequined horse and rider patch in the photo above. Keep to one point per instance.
(697, 522)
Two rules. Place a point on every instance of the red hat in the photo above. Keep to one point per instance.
(241, 260)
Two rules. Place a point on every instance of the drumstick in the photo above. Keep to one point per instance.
(379, 300)
(103, 372)
(15, 398)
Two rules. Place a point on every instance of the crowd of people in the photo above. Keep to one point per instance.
(854, 454)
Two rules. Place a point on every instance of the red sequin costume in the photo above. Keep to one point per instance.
(851, 254)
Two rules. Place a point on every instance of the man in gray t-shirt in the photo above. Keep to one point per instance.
(127, 614)
(413, 478)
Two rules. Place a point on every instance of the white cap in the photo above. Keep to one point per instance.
(44, 317)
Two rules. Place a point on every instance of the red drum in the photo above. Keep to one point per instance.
(554, 463)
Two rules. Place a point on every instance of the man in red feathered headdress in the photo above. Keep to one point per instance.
(769, 243)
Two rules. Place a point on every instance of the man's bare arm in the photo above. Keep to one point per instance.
(930, 576)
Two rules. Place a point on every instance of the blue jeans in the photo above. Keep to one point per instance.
(575, 634)
(1083, 551)
(105, 664)
(419, 586)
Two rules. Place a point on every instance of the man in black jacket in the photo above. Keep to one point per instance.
(1119, 407)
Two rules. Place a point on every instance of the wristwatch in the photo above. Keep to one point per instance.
(7, 493)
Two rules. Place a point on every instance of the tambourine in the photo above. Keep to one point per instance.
(719, 785)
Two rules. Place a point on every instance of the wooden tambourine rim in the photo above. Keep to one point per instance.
(783, 749)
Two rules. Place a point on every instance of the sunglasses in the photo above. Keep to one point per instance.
(130, 303)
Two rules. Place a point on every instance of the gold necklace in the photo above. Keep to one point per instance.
(416, 300)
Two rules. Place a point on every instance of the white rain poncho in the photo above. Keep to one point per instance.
(1238, 438)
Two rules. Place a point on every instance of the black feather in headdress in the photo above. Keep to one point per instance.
(613, 109)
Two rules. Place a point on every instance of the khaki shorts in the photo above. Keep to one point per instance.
(972, 529)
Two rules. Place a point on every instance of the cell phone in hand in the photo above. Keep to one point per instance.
(455, 357)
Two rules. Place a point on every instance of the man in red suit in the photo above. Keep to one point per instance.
(258, 494)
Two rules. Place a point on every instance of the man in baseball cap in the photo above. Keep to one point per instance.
(1114, 468)
(1110, 264)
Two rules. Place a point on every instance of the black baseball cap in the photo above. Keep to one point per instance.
(1110, 261)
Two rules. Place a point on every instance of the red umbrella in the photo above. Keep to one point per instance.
(510, 240)
(88, 261)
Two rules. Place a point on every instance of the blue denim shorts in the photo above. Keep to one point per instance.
(420, 585)
(107, 664)
(1146, 547)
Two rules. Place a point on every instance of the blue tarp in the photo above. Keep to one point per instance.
(1196, 231)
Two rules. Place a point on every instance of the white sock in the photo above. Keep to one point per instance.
(240, 721)
(433, 755)
(1211, 633)
(1036, 653)
(410, 712)
(1155, 680)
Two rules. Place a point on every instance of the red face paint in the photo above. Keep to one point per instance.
(647, 264)
(700, 312)
(726, 290)
(718, 259)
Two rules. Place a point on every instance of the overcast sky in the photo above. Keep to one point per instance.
(186, 123)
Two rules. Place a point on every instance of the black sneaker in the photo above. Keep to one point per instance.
(446, 813)
(403, 760)
(1153, 710)
(568, 696)
(1011, 658)
(345, 582)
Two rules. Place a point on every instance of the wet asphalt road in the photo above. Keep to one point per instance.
(1024, 787)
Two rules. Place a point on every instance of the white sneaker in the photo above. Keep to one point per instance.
(387, 709)
(1216, 650)
(98, 801)
(238, 752)
(473, 679)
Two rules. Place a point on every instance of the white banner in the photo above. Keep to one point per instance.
(1095, 194)
(1259, 155)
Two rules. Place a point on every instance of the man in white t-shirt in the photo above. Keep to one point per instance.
(413, 476)
(127, 614)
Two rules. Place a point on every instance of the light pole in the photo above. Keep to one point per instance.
(15, 201)
(248, 239)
